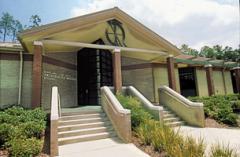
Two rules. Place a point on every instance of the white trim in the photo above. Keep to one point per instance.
(116, 50)
(37, 43)
(108, 47)
(208, 65)
(235, 68)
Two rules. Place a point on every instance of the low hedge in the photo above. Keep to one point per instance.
(21, 130)
(221, 107)
(138, 114)
(24, 147)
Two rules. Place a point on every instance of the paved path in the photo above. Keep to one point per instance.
(213, 136)
(111, 147)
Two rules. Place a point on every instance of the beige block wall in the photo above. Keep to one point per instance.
(228, 82)
(161, 78)
(201, 82)
(52, 75)
(9, 82)
(27, 84)
(9, 74)
(131, 61)
(141, 79)
(218, 82)
(64, 78)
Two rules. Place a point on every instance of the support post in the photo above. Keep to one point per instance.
(37, 74)
(171, 72)
(224, 81)
(117, 73)
(209, 74)
(237, 78)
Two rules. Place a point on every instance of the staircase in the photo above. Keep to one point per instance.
(83, 126)
(170, 119)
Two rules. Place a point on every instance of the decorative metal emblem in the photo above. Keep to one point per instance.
(115, 33)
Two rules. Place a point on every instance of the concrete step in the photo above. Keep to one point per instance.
(167, 112)
(82, 112)
(171, 119)
(81, 121)
(174, 124)
(84, 116)
(84, 131)
(83, 126)
(83, 138)
(169, 115)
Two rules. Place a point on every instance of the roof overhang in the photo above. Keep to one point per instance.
(91, 27)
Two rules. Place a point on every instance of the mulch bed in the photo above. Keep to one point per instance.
(3, 153)
(211, 123)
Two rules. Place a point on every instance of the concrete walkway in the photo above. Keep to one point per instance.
(111, 147)
(213, 136)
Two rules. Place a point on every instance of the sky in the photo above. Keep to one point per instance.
(192, 22)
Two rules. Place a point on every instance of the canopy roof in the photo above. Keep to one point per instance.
(201, 61)
(91, 27)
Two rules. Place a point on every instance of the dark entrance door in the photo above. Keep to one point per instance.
(234, 84)
(187, 82)
(94, 71)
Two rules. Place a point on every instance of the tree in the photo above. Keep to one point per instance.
(208, 52)
(35, 20)
(6, 23)
(16, 28)
(189, 51)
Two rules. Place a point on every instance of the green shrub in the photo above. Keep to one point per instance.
(20, 129)
(236, 105)
(138, 114)
(33, 129)
(17, 115)
(222, 151)
(6, 131)
(219, 108)
(24, 147)
(15, 111)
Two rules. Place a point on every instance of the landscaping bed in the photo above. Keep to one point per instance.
(158, 140)
(22, 132)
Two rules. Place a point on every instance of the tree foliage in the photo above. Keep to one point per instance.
(16, 28)
(6, 24)
(10, 27)
(216, 52)
(35, 20)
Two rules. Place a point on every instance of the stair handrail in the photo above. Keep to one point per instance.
(59, 106)
(120, 117)
(180, 97)
(54, 117)
(156, 111)
(190, 112)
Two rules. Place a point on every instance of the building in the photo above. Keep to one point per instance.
(109, 47)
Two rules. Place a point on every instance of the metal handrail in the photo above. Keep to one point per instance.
(59, 106)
